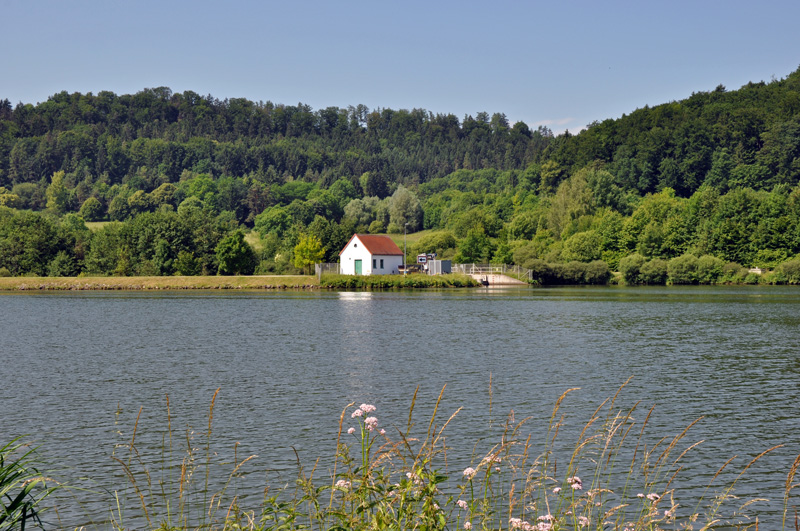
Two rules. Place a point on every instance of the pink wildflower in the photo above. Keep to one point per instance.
(383, 432)
(640, 495)
(469, 472)
(575, 482)
(351, 431)
(343, 484)
(462, 504)
(546, 518)
(367, 408)
(556, 490)
(356, 413)
(583, 521)
(371, 423)
(653, 497)
(467, 525)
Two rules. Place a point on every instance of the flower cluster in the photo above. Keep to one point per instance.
(371, 423)
(575, 482)
(462, 504)
(545, 523)
(469, 472)
(343, 484)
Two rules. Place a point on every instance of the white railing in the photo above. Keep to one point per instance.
(492, 269)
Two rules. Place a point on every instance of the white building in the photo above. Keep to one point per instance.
(370, 254)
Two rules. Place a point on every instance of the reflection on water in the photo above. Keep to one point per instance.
(83, 364)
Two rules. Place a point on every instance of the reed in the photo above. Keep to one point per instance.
(22, 487)
(612, 477)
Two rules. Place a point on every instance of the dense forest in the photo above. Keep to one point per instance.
(160, 183)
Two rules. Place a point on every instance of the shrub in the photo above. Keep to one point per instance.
(541, 272)
(790, 270)
(630, 267)
(733, 272)
(654, 272)
(4, 272)
(682, 269)
(709, 269)
(597, 272)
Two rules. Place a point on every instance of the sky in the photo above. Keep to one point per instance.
(562, 64)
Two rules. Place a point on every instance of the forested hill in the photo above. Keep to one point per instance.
(714, 175)
(155, 135)
(743, 138)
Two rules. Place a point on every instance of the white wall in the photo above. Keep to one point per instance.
(355, 250)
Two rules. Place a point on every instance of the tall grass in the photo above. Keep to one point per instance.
(612, 477)
(22, 486)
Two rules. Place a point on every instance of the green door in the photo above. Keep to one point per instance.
(358, 267)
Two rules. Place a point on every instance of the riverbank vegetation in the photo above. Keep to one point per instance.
(402, 474)
(178, 183)
(416, 280)
(160, 283)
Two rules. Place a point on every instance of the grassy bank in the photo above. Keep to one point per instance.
(158, 283)
(255, 282)
(397, 281)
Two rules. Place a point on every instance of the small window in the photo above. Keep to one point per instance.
(381, 263)
(374, 263)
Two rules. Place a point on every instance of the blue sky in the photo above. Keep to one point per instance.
(560, 64)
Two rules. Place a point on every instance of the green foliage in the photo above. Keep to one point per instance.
(58, 196)
(715, 174)
(22, 487)
(186, 264)
(475, 248)
(405, 209)
(377, 227)
(582, 247)
(653, 272)
(235, 256)
(631, 267)
(790, 271)
(397, 281)
(92, 210)
(63, 265)
(709, 269)
(308, 251)
(682, 269)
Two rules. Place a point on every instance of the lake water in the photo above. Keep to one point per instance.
(77, 367)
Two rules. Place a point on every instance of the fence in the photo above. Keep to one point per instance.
(493, 269)
(465, 269)
(326, 269)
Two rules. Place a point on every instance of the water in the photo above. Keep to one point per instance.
(77, 367)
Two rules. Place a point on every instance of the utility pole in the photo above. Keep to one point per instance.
(405, 233)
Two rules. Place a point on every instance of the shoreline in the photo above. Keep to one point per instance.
(242, 282)
(254, 282)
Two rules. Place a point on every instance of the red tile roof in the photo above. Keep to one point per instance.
(377, 244)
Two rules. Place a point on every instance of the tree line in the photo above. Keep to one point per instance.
(715, 175)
